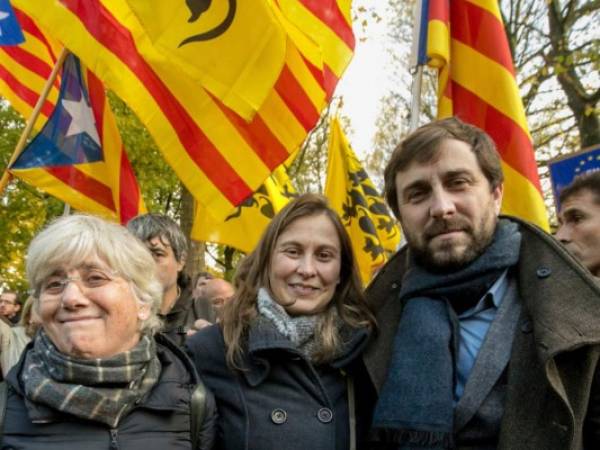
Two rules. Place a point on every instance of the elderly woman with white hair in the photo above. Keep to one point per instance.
(97, 375)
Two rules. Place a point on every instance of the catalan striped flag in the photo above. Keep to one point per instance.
(24, 68)
(241, 43)
(467, 43)
(220, 157)
(243, 228)
(99, 181)
(373, 232)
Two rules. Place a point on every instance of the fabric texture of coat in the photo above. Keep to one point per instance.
(281, 400)
(182, 315)
(553, 382)
(160, 421)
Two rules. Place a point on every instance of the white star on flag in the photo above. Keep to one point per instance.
(3, 15)
(82, 119)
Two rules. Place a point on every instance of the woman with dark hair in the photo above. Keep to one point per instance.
(284, 361)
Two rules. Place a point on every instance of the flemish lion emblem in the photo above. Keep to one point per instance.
(199, 7)
(363, 204)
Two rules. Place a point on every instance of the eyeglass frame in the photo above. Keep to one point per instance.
(64, 281)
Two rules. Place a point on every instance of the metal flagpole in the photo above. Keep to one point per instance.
(6, 177)
(418, 59)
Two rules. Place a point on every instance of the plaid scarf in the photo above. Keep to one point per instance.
(101, 389)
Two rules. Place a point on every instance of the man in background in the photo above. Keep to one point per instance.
(214, 293)
(202, 303)
(579, 220)
(10, 306)
(169, 247)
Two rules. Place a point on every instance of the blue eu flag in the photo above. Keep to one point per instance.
(564, 169)
(10, 30)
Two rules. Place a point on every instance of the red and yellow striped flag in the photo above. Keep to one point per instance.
(242, 46)
(221, 158)
(243, 228)
(108, 186)
(25, 68)
(467, 43)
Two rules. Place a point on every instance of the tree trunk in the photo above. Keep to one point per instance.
(195, 259)
(580, 102)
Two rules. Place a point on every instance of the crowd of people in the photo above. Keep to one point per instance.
(481, 332)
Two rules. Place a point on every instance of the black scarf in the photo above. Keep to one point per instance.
(415, 407)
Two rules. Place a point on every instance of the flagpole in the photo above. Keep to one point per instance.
(6, 176)
(418, 60)
(415, 103)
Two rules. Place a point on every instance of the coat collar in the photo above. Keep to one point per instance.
(560, 297)
(553, 287)
(264, 340)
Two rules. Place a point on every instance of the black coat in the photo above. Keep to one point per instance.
(182, 315)
(281, 400)
(161, 421)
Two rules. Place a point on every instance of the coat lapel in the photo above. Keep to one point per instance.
(492, 359)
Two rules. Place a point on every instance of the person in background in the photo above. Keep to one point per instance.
(98, 375)
(168, 245)
(216, 292)
(579, 220)
(10, 306)
(13, 339)
(284, 361)
(489, 335)
(201, 302)
(200, 281)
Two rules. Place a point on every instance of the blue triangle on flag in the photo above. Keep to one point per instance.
(10, 30)
(70, 136)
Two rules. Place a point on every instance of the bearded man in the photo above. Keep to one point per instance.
(489, 335)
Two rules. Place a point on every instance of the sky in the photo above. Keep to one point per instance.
(366, 79)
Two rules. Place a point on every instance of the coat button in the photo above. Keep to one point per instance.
(278, 416)
(325, 415)
(526, 326)
(543, 272)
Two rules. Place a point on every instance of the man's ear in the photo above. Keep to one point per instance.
(181, 261)
(17, 306)
(497, 194)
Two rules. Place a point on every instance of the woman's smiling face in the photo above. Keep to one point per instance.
(305, 265)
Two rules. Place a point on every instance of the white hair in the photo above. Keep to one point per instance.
(75, 239)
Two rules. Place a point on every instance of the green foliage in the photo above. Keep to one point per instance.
(24, 209)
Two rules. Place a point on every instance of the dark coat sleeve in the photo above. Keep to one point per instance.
(207, 431)
(591, 426)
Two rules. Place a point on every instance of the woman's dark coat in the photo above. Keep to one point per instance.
(161, 421)
(280, 400)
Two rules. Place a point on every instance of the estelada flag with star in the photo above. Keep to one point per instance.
(27, 57)
(10, 31)
(78, 155)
